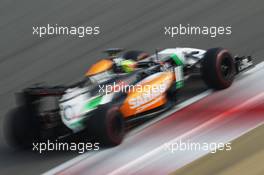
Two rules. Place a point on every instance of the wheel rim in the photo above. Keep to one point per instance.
(226, 68)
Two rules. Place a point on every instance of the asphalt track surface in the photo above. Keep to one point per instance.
(150, 150)
(251, 145)
(26, 59)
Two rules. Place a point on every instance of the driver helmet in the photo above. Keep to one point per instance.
(128, 66)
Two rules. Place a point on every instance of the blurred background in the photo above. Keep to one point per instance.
(26, 59)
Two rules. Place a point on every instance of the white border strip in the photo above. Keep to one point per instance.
(166, 114)
(175, 109)
(158, 150)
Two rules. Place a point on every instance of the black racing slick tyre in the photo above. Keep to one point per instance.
(21, 129)
(172, 94)
(108, 125)
(135, 55)
(218, 68)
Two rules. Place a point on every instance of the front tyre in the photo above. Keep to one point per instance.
(218, 68)
(108, 125)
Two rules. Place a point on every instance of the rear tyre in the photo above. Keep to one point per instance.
(108, 125)
(218, 68)
(135, 55)
(172, 94)
(21, 129)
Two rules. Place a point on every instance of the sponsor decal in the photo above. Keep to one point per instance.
(147, 96)
(92, 104)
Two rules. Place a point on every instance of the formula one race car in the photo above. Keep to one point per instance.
(108, 99)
